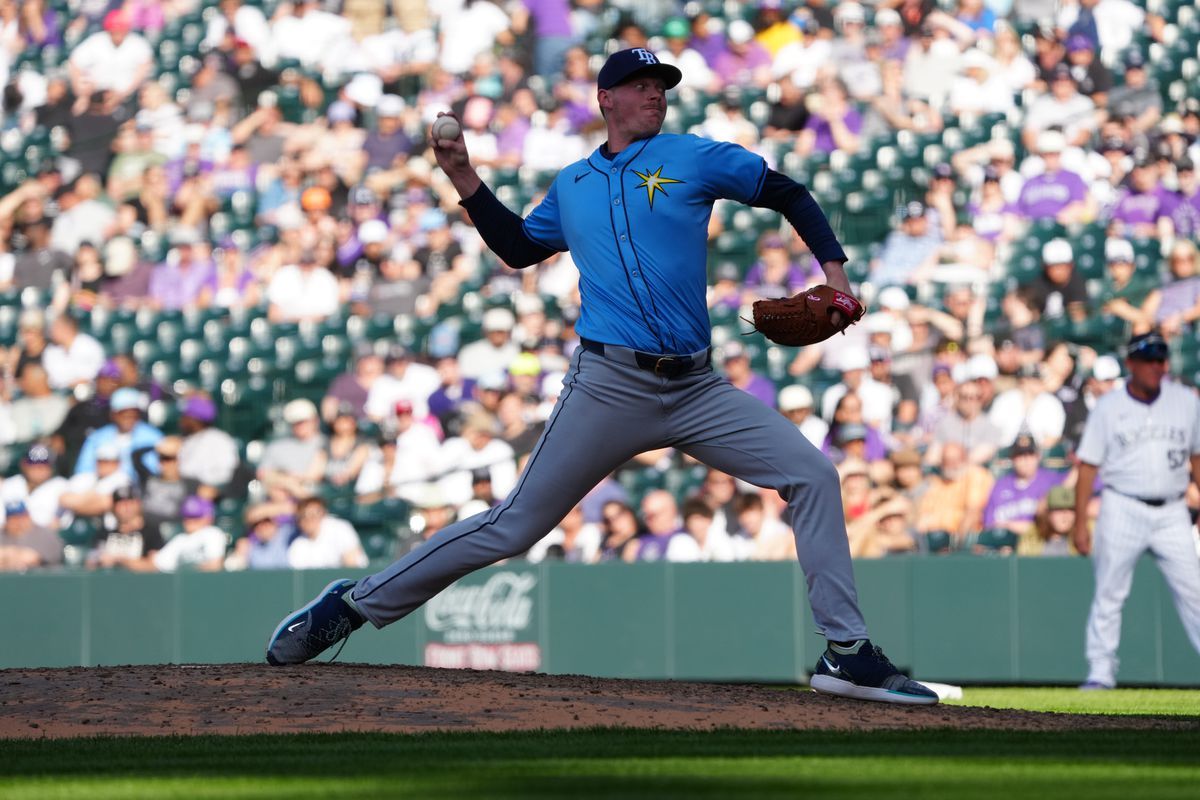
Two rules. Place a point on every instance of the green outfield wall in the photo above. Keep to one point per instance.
(957, 619)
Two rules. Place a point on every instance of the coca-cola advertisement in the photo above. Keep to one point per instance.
(485, 621)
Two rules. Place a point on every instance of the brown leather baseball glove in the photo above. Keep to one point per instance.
(807, 317)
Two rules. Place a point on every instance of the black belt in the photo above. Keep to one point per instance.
(664, 366)
(1154, 502)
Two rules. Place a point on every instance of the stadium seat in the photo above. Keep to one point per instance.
(996, 539)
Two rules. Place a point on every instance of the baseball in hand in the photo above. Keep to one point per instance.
(446, 128)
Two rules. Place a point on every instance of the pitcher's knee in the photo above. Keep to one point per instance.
(815, 475)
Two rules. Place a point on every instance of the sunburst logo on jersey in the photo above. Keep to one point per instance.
(653, 182)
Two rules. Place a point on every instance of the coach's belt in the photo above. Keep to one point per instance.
(665, 366)
(1151, 501)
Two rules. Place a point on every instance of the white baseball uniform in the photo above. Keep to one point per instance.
(1144, 452)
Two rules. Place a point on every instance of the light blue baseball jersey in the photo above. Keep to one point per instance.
(637, 227)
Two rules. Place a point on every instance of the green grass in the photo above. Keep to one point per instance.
(604, 763)
(1073, 701)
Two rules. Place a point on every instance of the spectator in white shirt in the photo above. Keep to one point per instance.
(208, 455)
(114, 59)
(200, 546)
(477, 448)
(796, 403)
(90, 494)
(303, 291)
(72, 357)
(574, 540)
(309, 34)
(495, 351)
(403, 380)
(414, 463)
(246, 22)
(1028, 407)
(324, 542)
(696, 73)
(37, 487)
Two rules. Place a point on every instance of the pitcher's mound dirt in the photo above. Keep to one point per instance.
(247, 698)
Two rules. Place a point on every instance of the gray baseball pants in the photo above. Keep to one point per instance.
(608, 412)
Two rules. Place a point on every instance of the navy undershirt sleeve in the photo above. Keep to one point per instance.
(781, 193)
(502, 230)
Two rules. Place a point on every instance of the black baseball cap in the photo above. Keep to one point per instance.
(1023, 444)
(624, 64)
(1147, 347)
(127, 492)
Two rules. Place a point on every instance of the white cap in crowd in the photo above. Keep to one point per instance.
(299, 411)
(879, 323)
(894, 298)
(1106, 368)
(1118, 250)
(1057, 251)
(795, 396)
(887, 16)
(740, 31)
(373, 231)
(982, 366)
(1051, 142)
(854, 358)
(498, 319)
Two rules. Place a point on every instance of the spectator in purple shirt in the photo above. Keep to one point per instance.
(513, 120)
(190, 165)
(552, 34)
(726, 290)
(178, 282)
(238, 174)
(387, 143)
(664, 539)
(38, 24)
(776, 274)
(1057, 193)
(1176, 305)
(891, 29)
(705, 40)
(1143, 207)
(745, 62)
(849, 415)
(1014, 500)
(1185, 210)
(352, 387)
(736, 362)
(834, 124)
(991, 215)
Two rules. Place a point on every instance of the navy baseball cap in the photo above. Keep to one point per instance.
(1135, 60)
(1147, 347)
(39, 454)
(624, 64)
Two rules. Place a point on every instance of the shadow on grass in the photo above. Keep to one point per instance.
(383, 755)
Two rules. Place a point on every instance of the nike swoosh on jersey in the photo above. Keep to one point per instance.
(581, 176)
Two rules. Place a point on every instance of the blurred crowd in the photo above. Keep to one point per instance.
(186, 181)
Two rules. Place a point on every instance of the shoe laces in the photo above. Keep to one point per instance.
(875, 653)
(345, 639)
